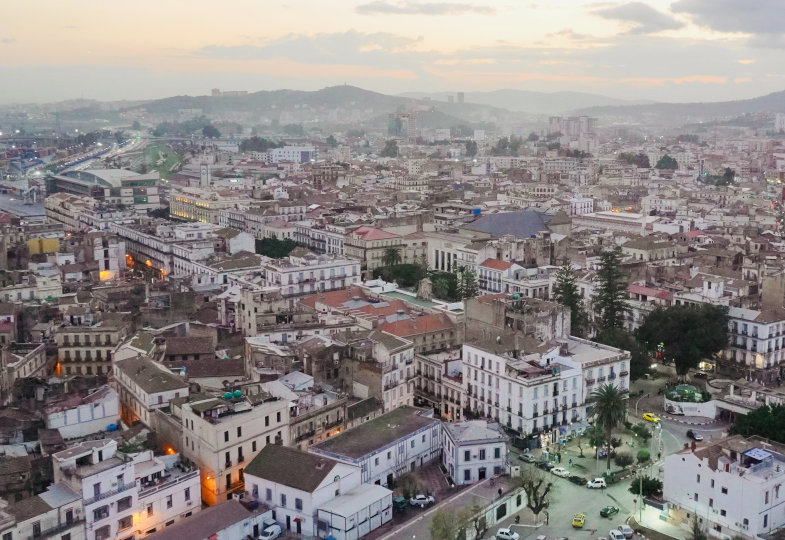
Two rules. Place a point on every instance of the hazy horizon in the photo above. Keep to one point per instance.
(660, 50)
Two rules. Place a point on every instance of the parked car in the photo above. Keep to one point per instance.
(399, 503)
(597, 483)
(546, 465)
(616, 534)
(541, 537)
(271, 532)
(528, 458)
(701, 374)
(651, 417)
(695, 435)
(578, 520)
(626, 530)
(561, 472)
(422, 500)
(609, 511)
(506, 534)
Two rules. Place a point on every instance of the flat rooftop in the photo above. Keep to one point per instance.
(378, 433)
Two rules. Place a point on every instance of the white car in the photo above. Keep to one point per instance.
(560, 472)
(615, 534)
(506, 534)
(626, 530)
(271, 532)
(421, 500)
(597, 483)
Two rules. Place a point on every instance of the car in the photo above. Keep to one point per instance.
(578, 520)
(399, 503)
(694, 435)
(597, 483)
(541, 537)
(561, 472)
(626, 530)
(701, 374)
(651, 417)
(616, 534)
(271, 532)
(506, 534)
(528, 458)
(421, 500)
(609, 511)
(546, 465)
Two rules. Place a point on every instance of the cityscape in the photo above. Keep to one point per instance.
(393, 270)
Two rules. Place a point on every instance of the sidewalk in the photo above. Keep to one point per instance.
(655, 527)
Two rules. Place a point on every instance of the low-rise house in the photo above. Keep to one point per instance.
(474, 450)
(56, 513)
(79, 416)
(144, 386)
(229, 520)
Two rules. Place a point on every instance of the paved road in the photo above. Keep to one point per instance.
(13, 204)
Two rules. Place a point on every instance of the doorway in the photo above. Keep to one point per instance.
(481, 473)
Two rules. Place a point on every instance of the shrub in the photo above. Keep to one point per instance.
(623, 460)
(643, 456)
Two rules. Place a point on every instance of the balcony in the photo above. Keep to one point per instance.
(544, 412)
(555, 393)
(509, 409)
(601, 379)
(611, 376)
(623, 373)
(240, 459)
(535, 414)
(574, 404)
(589, 382)
(304, 435)
(101, 496)
(152, 487)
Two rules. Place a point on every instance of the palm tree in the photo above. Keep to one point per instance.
(609, 410)
(391, 257)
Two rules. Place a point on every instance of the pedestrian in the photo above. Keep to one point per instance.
(570, 462)
(659, 455)
(547, 517)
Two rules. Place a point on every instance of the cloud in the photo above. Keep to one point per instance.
(645, 19)
(380, 7)
(349, 48)
(7, 40)
(746, 61)
(764, 20)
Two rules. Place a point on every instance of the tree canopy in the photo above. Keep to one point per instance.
(640, 159)
(405, 275)
(687, 334)
(274, 248)
(566, 293)
(667, 162)
(471, 148)
(608, 410)
(625, 340)
(538, 488)
(610, 295)
(257, 144)
(390, 148)
(767, 421)
(211, 132)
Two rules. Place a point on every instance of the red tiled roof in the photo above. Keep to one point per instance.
(419, 325)
(496, 264)
(650, 292)
(372, 233)
(694, 234)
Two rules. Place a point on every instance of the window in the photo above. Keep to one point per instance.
(723, 513)
(411, 444)
(268, 494)
(266, 420)
(226, 436)
(497, 453)
(36, 529)
(376, 461)
(103, 533)
(724, 491)
(467, 475)
(253, 446)
(283, 500)
(298, 504)
(696, 497)
(239, 431)
(101, 512)
(698, 478)
(389, 454)
(187, 494)
(125, 523)
(150, 509)
(168, 501)
(711, 503)
(467, 456)
(124, 504)
(170, 522)
(423, 438)
(278, 416)
(482, 454)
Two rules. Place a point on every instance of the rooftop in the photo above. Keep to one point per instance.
(376, 434)
(302, 470)
(150, 376)
(205, 524)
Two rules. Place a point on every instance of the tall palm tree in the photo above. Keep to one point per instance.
(608, 411)
(391, 256)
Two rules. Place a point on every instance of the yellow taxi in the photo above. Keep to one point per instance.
(578, 520)
(651, 417)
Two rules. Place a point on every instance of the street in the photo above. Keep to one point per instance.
(14, 204)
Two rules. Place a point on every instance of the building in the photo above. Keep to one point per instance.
(355, 513)
(388, 446)
(757, 343)
(221, 435)
(297, 154)
(87, 349)
(229, 520)
(78, 416)
(56, 513)
(473, 450)
(303, 272)
(144, 386)
(118, 187)
(20, 360)
(295, 491)
(733, 485)
(429, 333)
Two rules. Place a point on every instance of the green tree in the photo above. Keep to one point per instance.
(566, 293)
(405, 275)
(767, 421)
(390, 148)
(696, 530)
(610, 295)
(471, 148)
(331, 141)
(274, 248)
(257, 144)
(538, 488)
(688, 333)
(391, 256)
(608, 411)
(626, 341)
(667, 163)
(649, 485)
(596, 437)
(211, 132)
(295, 130)
(444, 525)
(445, 286)
(533, 137)
(467, 283)
(643, 456)
(642, 431)
(136, 125)
(623, 460)
(640, 160)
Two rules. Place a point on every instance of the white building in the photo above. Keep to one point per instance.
(580, 205)
(56, 513)
(303, 272)
(757, 342)
(229, 520)
(355, 513)
(83, 416)
(297, 154)
(734, 486)
(388, 446)
(473, 450)
(297, 490)
(145, 385)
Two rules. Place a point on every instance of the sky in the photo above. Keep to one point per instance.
(664, 50)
